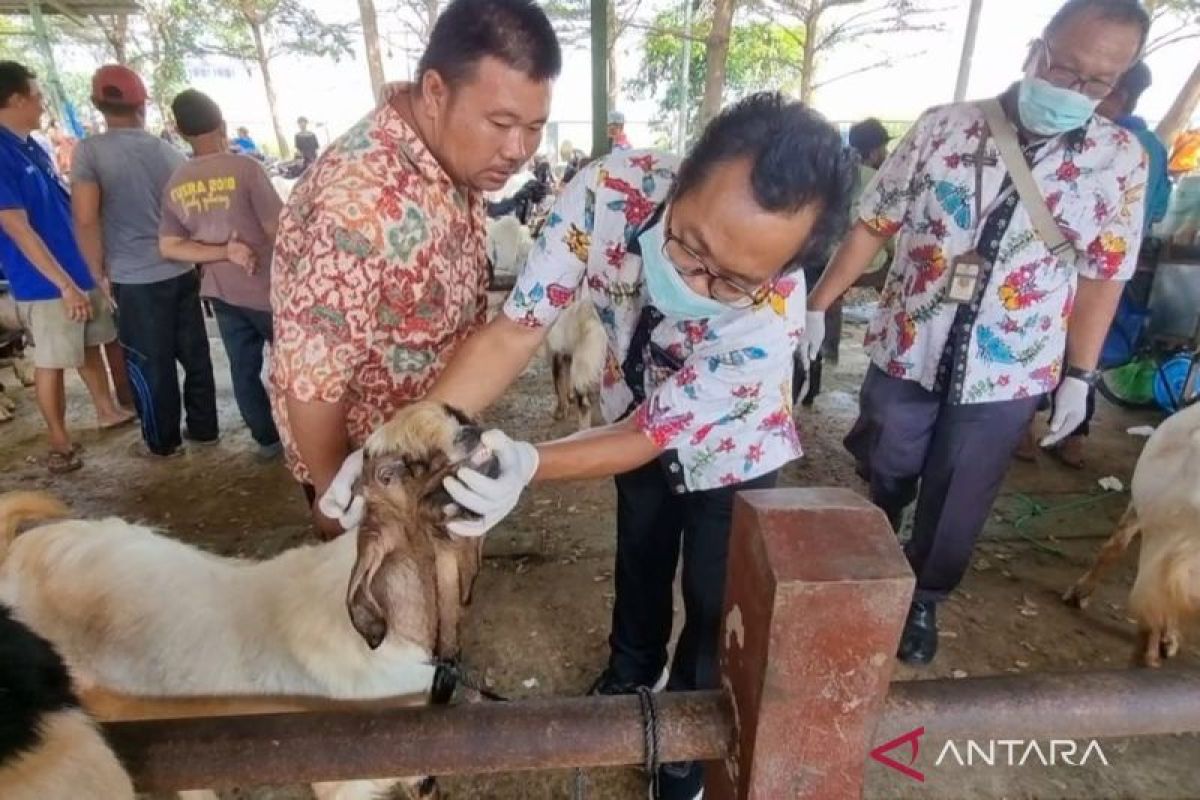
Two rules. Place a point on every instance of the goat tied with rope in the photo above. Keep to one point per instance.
(139, 616)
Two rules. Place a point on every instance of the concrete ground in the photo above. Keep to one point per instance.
(540, 618)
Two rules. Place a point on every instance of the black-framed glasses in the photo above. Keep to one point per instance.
(723, 289)
(1067, 78)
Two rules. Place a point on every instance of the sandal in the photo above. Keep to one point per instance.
(62, 463)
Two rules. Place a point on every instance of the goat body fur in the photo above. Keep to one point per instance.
(578, 348)
(141, 613)
(1164, 510)
(50, 749)
(508, 245)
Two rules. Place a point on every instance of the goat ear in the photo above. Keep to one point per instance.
(367, 609)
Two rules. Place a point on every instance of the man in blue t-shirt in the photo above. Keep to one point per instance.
(58, 299)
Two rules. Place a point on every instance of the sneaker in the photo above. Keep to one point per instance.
(142, 450)
(268, 452)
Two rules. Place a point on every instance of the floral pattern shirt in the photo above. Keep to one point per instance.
(718, 391)
(1010, 341)
(379, 274)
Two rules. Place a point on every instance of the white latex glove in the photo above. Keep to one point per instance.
(1070, 408)
(339, 501)
(493, 499)
(814, 336)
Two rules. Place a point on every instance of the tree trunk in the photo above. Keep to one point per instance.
(264, 66)
(1182, 109)
(611, 55)
(120, 38)
(370, 26)
(116, 32)
(432, 9)
(716, 54)
(808, 75)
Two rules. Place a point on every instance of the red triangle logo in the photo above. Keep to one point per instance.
(913, 740)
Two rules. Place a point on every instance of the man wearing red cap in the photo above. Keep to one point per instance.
(117, 181)
(56, 294)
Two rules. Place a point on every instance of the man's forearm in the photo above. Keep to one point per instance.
(486, 365)
(319, 430)
(597, 453)
(16, 225)
(91, 243)
(851, 260)
(1095, 304)
(189, 252)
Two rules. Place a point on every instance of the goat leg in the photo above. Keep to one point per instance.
(560, 369)
(1109, 555)
(1169, 646)
(583, 410)
(1149, 647)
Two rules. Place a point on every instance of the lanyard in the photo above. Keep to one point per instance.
(982, 214)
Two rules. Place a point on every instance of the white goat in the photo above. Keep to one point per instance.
(136, 613)
(577, 343)
(578, 348)
(1165, 509)
(508, 247)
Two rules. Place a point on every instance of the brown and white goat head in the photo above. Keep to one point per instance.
(412, 578)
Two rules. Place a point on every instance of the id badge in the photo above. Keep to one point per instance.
(964, 278)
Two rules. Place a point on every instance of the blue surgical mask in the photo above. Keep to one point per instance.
(669, 292)
(1049, 110)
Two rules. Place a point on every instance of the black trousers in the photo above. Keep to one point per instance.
(160, 324)
(907, 437)
(656, 531)
(245, 332)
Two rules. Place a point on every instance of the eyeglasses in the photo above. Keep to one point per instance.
(720, 287)
(1067, 78)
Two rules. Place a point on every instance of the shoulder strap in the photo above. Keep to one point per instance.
(1018, 168)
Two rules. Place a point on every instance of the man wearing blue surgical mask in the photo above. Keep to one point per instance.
(693, 270)
(996, 296)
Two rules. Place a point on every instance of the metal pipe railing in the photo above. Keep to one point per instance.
(273, 749)
(558, 733)
(1063, 705)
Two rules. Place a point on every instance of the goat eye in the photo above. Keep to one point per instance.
(387, 474)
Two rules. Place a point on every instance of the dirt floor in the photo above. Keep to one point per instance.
(540, 618)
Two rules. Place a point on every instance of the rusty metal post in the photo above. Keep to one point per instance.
(817, 594)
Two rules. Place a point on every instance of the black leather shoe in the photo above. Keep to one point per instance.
(918, 644)
(609, 683)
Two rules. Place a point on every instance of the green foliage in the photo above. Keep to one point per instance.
(762, 55)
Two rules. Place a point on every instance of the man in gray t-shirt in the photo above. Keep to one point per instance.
(117, 181)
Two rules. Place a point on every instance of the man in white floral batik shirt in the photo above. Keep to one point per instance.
(981, 317)
(691, 268)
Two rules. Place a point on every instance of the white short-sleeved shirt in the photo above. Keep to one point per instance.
(1010, 342)
(718, 391)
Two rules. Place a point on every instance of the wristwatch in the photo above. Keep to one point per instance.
(1088, 376)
